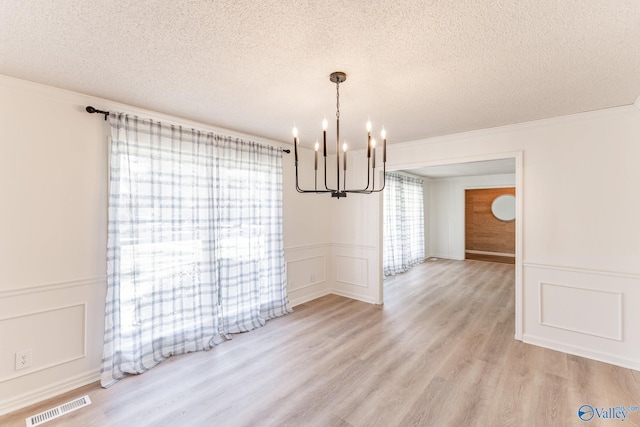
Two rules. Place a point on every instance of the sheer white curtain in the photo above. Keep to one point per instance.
(195, 248)
(403, 223)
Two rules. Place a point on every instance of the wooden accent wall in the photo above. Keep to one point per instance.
(483, 231)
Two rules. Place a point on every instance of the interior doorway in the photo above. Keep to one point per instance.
(447, 182)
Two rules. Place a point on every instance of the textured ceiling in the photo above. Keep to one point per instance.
(420, 68)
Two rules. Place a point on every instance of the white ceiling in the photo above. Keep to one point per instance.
(419, 68)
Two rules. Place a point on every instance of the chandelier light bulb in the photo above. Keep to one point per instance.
(317, 145)
(295, 132)
(373, 143)
(383, 134)
(344, 147)
(368, 126)
(325, 124)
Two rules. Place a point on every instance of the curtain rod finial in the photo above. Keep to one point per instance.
(92, 110)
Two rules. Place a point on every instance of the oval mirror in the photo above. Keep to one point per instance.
(504, 207)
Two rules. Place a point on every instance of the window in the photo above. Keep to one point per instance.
(195, 248)
(403, 222)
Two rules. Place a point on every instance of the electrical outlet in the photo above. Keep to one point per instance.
(23, 359)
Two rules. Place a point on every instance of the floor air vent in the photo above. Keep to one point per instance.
(58, 411)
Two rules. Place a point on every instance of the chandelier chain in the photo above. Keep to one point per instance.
(338, 99)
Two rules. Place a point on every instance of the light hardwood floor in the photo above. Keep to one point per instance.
(440, 352)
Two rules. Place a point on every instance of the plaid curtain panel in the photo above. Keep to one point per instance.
(403, 232)
(195, 247)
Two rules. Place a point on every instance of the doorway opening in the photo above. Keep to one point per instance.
(446, 182)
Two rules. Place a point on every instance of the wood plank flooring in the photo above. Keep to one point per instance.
(440, 352)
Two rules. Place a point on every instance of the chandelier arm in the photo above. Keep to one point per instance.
(368, 172)
(373, 176)
(365, 189)
(373, 190)
(325, 174)
(384, 175)
(301, 190)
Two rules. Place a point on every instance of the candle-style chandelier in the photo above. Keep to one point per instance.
(337, 78)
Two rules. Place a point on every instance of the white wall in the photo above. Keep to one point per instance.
(53, 190)
(356, 258)
(581, 237)
(446, 203)
(307, 234)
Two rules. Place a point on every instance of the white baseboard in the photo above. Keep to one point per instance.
(582, 352)
(354, 296)
(308, 297)
(51, 390)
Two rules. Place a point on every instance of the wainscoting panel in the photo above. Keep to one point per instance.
(307, 271)
(54, 336)
(572, 308)
(352, 270)
(357, 273)
(585, 312)
(62, 324)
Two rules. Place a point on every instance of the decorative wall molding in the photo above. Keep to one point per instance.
(308, 285)
(55, 363)
(582, 311)
(313, 273)
(350, 246)
(306, 258)
(34, 289)
(340, 271)
(572, 269)
(307, 247)
(590, 303)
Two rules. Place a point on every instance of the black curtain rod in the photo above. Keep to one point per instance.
(92, 110)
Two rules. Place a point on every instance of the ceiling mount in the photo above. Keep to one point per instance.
(338, 77)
